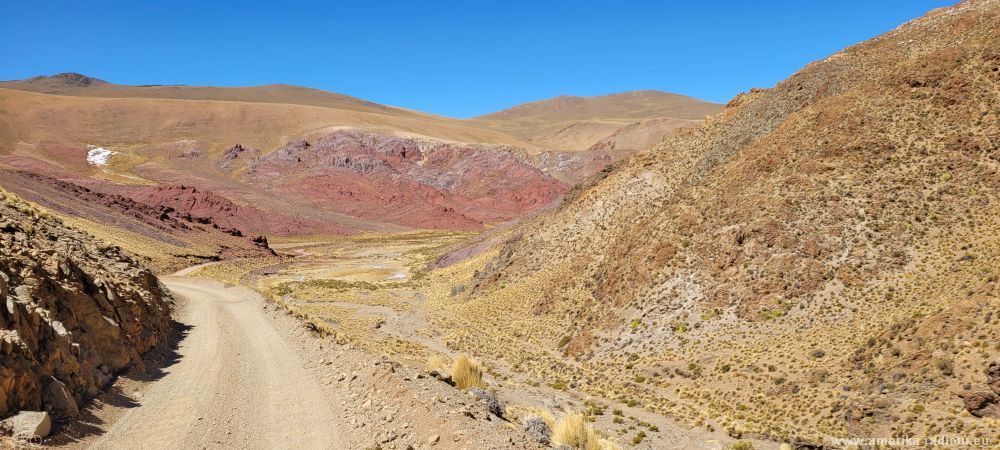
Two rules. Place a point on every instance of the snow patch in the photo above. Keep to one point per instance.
(98, 156)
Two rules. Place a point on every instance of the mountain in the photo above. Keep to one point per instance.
(577, 123)
(581, 135)
(817, 260)
(277, 160)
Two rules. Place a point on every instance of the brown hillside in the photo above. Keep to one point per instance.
(32, 118)
(818, 260)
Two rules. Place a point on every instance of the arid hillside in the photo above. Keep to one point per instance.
(819, 260)
(213, 158)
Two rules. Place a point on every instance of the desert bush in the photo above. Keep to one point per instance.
(537, 428)
(467, 373)
(605, 444)
(493, 403)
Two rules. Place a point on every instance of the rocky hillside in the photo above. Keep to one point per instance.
(169, 227)
(74, 313)
(818, 260)
(412, 182)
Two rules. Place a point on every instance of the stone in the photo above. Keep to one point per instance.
(433, 439)
(28, 424)
(59, 400)
(993, 376)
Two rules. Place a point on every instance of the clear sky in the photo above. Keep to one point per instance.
(456, 58)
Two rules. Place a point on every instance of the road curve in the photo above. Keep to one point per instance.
(236, 383)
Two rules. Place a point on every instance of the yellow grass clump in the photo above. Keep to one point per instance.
(572, 431)
(467, 373)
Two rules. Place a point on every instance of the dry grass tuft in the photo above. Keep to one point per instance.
(572, 431)
(31, 209)
(467, 373)
(439, 361)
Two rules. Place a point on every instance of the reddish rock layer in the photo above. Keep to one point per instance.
(406, 181)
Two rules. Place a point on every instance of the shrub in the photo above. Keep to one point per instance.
(605, 444)
(493, 404)
(467, 373)
(537, 428)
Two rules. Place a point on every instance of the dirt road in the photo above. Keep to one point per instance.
(236, 383)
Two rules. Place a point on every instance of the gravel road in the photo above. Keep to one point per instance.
(236, 384)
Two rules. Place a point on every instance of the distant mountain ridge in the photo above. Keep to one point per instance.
(641, 104)
(627, 121)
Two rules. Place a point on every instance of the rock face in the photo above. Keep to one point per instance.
(73, 312)
(207, 207)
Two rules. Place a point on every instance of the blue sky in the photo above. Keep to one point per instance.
(453, 58)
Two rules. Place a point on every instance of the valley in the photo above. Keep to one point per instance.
(277, 266)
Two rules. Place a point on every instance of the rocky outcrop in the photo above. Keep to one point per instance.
(407, 181)
(73, 312)
(201, 206)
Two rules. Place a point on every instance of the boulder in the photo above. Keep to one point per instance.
(29, 424)
(59, 399)
(981, 402)
(493, 404)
